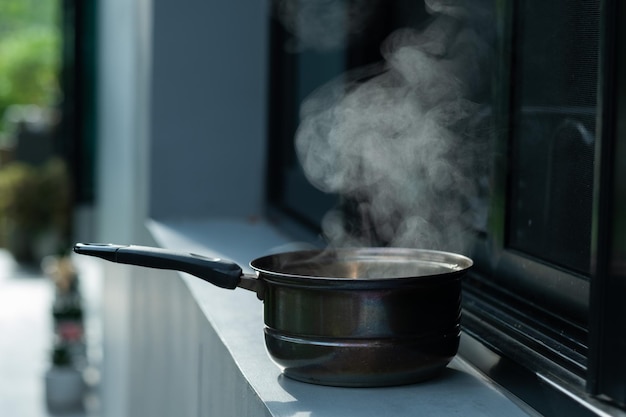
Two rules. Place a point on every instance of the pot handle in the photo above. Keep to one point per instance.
(217, 271)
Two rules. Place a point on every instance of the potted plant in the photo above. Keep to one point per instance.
(34, 209)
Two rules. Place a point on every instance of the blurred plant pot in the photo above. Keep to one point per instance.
(64, 384)
(64, 389)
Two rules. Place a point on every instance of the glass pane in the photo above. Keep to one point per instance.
(552, 151)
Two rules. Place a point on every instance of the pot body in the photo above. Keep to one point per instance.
(350, 327)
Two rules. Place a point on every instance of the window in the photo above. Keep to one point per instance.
(79, 99)
(545, 201)
(535, 258)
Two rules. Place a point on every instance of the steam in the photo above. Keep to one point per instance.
(323, 24)
(398, 139)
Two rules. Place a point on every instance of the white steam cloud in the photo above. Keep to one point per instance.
(323, 24)
(398, 138)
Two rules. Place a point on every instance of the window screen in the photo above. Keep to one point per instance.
(552, 149)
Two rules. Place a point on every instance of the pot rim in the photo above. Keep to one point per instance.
(283, 267)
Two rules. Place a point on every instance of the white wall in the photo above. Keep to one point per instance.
(181, 133)
(122, 114)
(122, 117)
(208, 108)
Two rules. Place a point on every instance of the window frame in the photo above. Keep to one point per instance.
(78, 82)
(508, 291)
(607, 365)
(544, 368)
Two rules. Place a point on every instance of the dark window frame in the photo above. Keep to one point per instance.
(78, 82)
(555, 359)
(607, 364)
(511, 292)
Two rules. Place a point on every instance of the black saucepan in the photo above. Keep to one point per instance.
(345, 317)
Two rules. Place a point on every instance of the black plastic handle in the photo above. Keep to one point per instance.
(217, 271)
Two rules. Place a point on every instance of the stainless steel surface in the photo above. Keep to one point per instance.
(346, 317)
(360, 362)
(361, 264)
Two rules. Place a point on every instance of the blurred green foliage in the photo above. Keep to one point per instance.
(30, 53)
(35, 197)
(18, 14)
(32, 201)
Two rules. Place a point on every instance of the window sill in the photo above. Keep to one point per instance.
(237, 318)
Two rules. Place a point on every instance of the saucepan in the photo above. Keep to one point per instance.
(362, 317)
